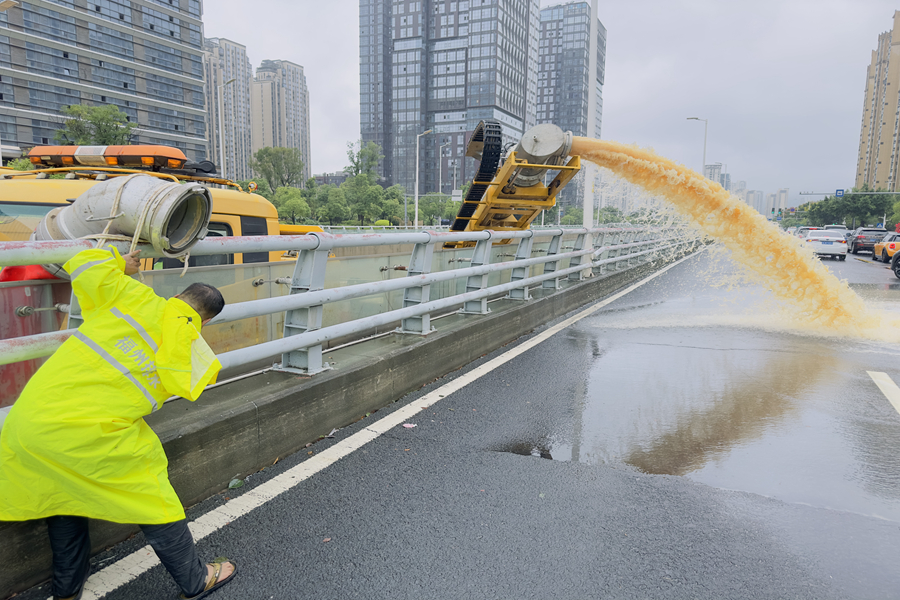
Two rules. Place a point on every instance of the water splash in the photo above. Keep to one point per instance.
(777, 260)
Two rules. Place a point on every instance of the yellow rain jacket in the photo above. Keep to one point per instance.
(75, 442)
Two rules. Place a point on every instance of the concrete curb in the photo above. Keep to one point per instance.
(250, 423)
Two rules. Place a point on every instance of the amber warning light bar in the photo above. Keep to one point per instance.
(134, 157)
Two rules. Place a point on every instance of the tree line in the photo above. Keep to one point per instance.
(853, 209)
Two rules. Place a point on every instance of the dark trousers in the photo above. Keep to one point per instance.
(172, 543)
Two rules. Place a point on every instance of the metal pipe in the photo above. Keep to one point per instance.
(18, 349)
(30, 253)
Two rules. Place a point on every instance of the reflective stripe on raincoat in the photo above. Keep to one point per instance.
(75, 442)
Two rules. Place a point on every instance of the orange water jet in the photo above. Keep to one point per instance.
(791, 271)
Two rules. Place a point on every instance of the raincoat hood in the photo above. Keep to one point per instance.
(185, 362)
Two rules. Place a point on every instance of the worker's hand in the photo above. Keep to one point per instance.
(132, 262)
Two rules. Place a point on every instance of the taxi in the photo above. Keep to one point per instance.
(885, 249)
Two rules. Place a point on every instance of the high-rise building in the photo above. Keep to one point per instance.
(725, 181)
(782, 200)
(279, 108)
(565, 78)
(757, 200)
(771, 207)
(879, 145)
(228, 78)
(452, 63)
(712, 172)
(144, 56)
(376, 121)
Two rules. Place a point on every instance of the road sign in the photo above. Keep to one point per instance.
(779, 218)
(880, 225)
(839, 193)
(793, 210)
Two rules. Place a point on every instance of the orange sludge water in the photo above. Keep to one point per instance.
(781, 262)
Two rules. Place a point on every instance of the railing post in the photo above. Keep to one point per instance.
(419, 264)
(574, 262)
(601, 269)
(553, 265)
(309, 276)
(74, 319)
(481, 256)
(630, 239)
(523, 251)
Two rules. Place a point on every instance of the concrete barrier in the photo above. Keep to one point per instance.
(250, 423)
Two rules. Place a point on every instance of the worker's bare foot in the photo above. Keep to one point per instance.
(225, 573)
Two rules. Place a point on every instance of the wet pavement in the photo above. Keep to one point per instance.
(685, 441)
(713, 385)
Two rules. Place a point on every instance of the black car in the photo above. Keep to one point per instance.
(864, 238)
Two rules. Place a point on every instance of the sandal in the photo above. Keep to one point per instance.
(214, 582)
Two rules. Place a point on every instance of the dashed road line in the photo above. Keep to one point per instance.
(135, 564)
(887, 387)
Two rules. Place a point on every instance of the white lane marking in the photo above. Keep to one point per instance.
(141, 561)
(887, 387)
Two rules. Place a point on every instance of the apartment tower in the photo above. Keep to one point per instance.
(879, 138)
(279, 105)
(228, 78)
(565, 78)
(144, 56)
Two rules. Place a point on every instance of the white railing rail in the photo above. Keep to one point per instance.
(597, 250)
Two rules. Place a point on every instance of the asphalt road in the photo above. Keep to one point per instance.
(681, 442)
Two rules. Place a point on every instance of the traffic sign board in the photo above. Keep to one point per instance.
(880, 225)
(839, 193)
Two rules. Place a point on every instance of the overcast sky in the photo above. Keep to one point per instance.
(781, 81)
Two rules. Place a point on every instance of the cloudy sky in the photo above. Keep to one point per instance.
(781, 81)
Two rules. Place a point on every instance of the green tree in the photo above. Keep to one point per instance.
(610, 214)
(20, 164)
(280, 167)
(432, 207)
(335, 209)
(573, 216)
(392, 204)
(363, 197)
(95, 126)
(364, 159)
(290, 204)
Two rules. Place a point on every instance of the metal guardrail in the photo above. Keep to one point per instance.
(594, 250)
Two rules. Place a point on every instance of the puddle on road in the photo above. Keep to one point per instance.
(702, 385)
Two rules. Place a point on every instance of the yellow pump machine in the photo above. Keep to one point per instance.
(510, 196)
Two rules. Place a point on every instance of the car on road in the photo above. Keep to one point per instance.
(827, 242)
(801, 232)
(885, 249)
(865, 238)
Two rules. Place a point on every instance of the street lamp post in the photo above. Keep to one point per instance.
(441, 168)
(416, 213)
(221, 89)
(705, 129)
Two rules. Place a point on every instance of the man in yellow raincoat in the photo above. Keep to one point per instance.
(75, 445)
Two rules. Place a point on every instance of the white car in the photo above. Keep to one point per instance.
(827, 242)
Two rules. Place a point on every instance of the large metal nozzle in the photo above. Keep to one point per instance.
(544, 144)
(171, 216)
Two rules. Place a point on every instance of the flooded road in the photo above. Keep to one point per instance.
(714, 384)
